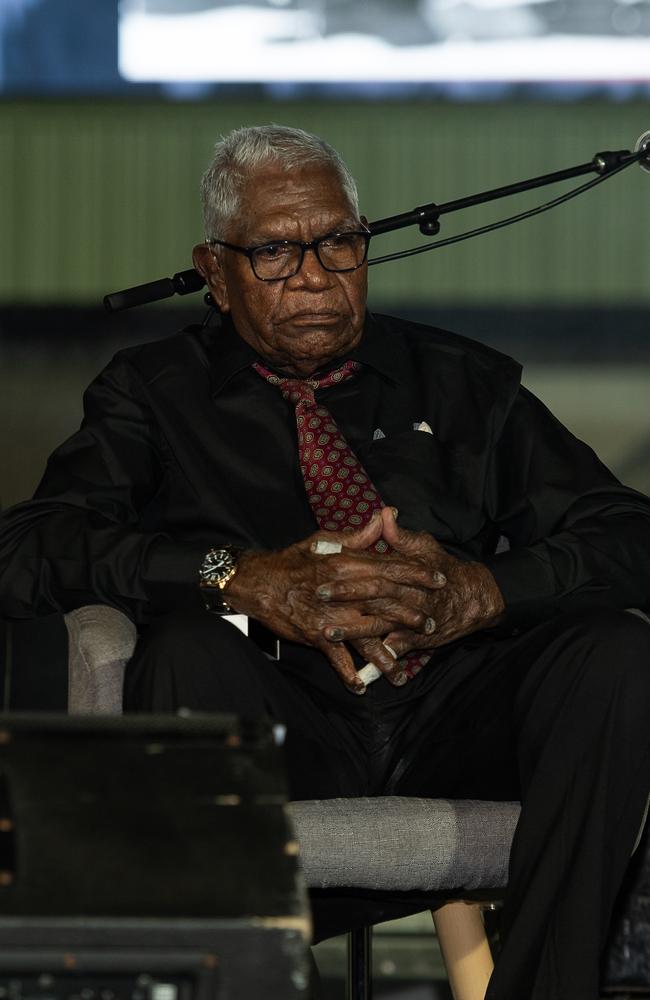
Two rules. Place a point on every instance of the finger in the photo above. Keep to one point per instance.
(403, 641)
(407, 541)
(410, 572)
(369, 673)
(376, 653)
(365, 536)
(402, 615)
(408, 606)
(326, 547)
(374, 575)
(357, 626)
(361, 538)
(340, 622)
(375, 587)
(343, 663)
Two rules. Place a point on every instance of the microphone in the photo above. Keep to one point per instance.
(643, 145)
(183, 283)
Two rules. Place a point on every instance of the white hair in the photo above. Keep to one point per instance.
(242, 151)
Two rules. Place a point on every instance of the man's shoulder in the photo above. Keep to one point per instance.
(429, 344)
(184, 351)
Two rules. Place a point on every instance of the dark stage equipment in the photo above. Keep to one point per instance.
(147, 858)
(626, 968)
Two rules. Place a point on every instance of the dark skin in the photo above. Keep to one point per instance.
(418, 596)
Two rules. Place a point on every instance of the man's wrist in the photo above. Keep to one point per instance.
(218, 567)
(490, 598)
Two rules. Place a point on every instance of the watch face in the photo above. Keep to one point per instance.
(220, 560)
(217, 566)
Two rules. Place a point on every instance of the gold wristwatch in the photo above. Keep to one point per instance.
(217, 569)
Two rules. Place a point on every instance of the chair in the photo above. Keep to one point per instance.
(395, 856)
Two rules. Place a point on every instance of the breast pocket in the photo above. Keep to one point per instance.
(433, 485)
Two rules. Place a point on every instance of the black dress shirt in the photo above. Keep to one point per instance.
(183, 446)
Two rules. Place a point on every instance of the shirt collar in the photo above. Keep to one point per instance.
(229, 353)
(378, 349)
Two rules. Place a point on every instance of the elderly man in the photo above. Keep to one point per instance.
(344, 479)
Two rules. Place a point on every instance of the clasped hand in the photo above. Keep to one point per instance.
(416, 597)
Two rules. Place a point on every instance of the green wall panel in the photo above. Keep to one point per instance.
(95, 197)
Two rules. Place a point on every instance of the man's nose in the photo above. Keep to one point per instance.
(311, 272)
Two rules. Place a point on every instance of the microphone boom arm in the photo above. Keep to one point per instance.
(426, 217)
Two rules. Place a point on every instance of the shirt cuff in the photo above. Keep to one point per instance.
(170, 574)
(527, 583)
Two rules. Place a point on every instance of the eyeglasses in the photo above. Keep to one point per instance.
(282, 259)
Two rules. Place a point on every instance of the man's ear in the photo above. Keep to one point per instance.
(207, 263)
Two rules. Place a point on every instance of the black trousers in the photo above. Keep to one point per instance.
(557, 716)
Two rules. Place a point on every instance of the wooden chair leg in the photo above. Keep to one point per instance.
(359, 982)
(465, 949)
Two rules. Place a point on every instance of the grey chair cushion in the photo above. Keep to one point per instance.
(101, 640)
(405, 844)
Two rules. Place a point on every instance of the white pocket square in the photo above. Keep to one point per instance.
(422, 426)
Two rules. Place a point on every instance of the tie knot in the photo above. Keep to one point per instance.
(297, 390)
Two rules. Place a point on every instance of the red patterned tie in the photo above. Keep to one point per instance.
(340, 491)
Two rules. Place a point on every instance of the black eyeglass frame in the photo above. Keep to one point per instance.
(311, 245)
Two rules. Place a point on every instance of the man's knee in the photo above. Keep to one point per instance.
(192, 659)
(616, 631)
(589, 664)
(190, 633)
(613, 647)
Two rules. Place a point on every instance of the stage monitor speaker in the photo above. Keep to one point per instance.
(147, 858)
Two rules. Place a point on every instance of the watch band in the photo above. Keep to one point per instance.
(214, 603)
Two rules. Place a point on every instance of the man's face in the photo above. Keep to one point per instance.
(300, 323)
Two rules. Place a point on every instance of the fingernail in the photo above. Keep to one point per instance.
(399, 679)
(375, 515)
(390, 650)
(324, 593)
(439, 577)
(395, 512)
(429, 626)
(335, 634)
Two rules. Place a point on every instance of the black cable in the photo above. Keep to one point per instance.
(211, 311)
(398, 255)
